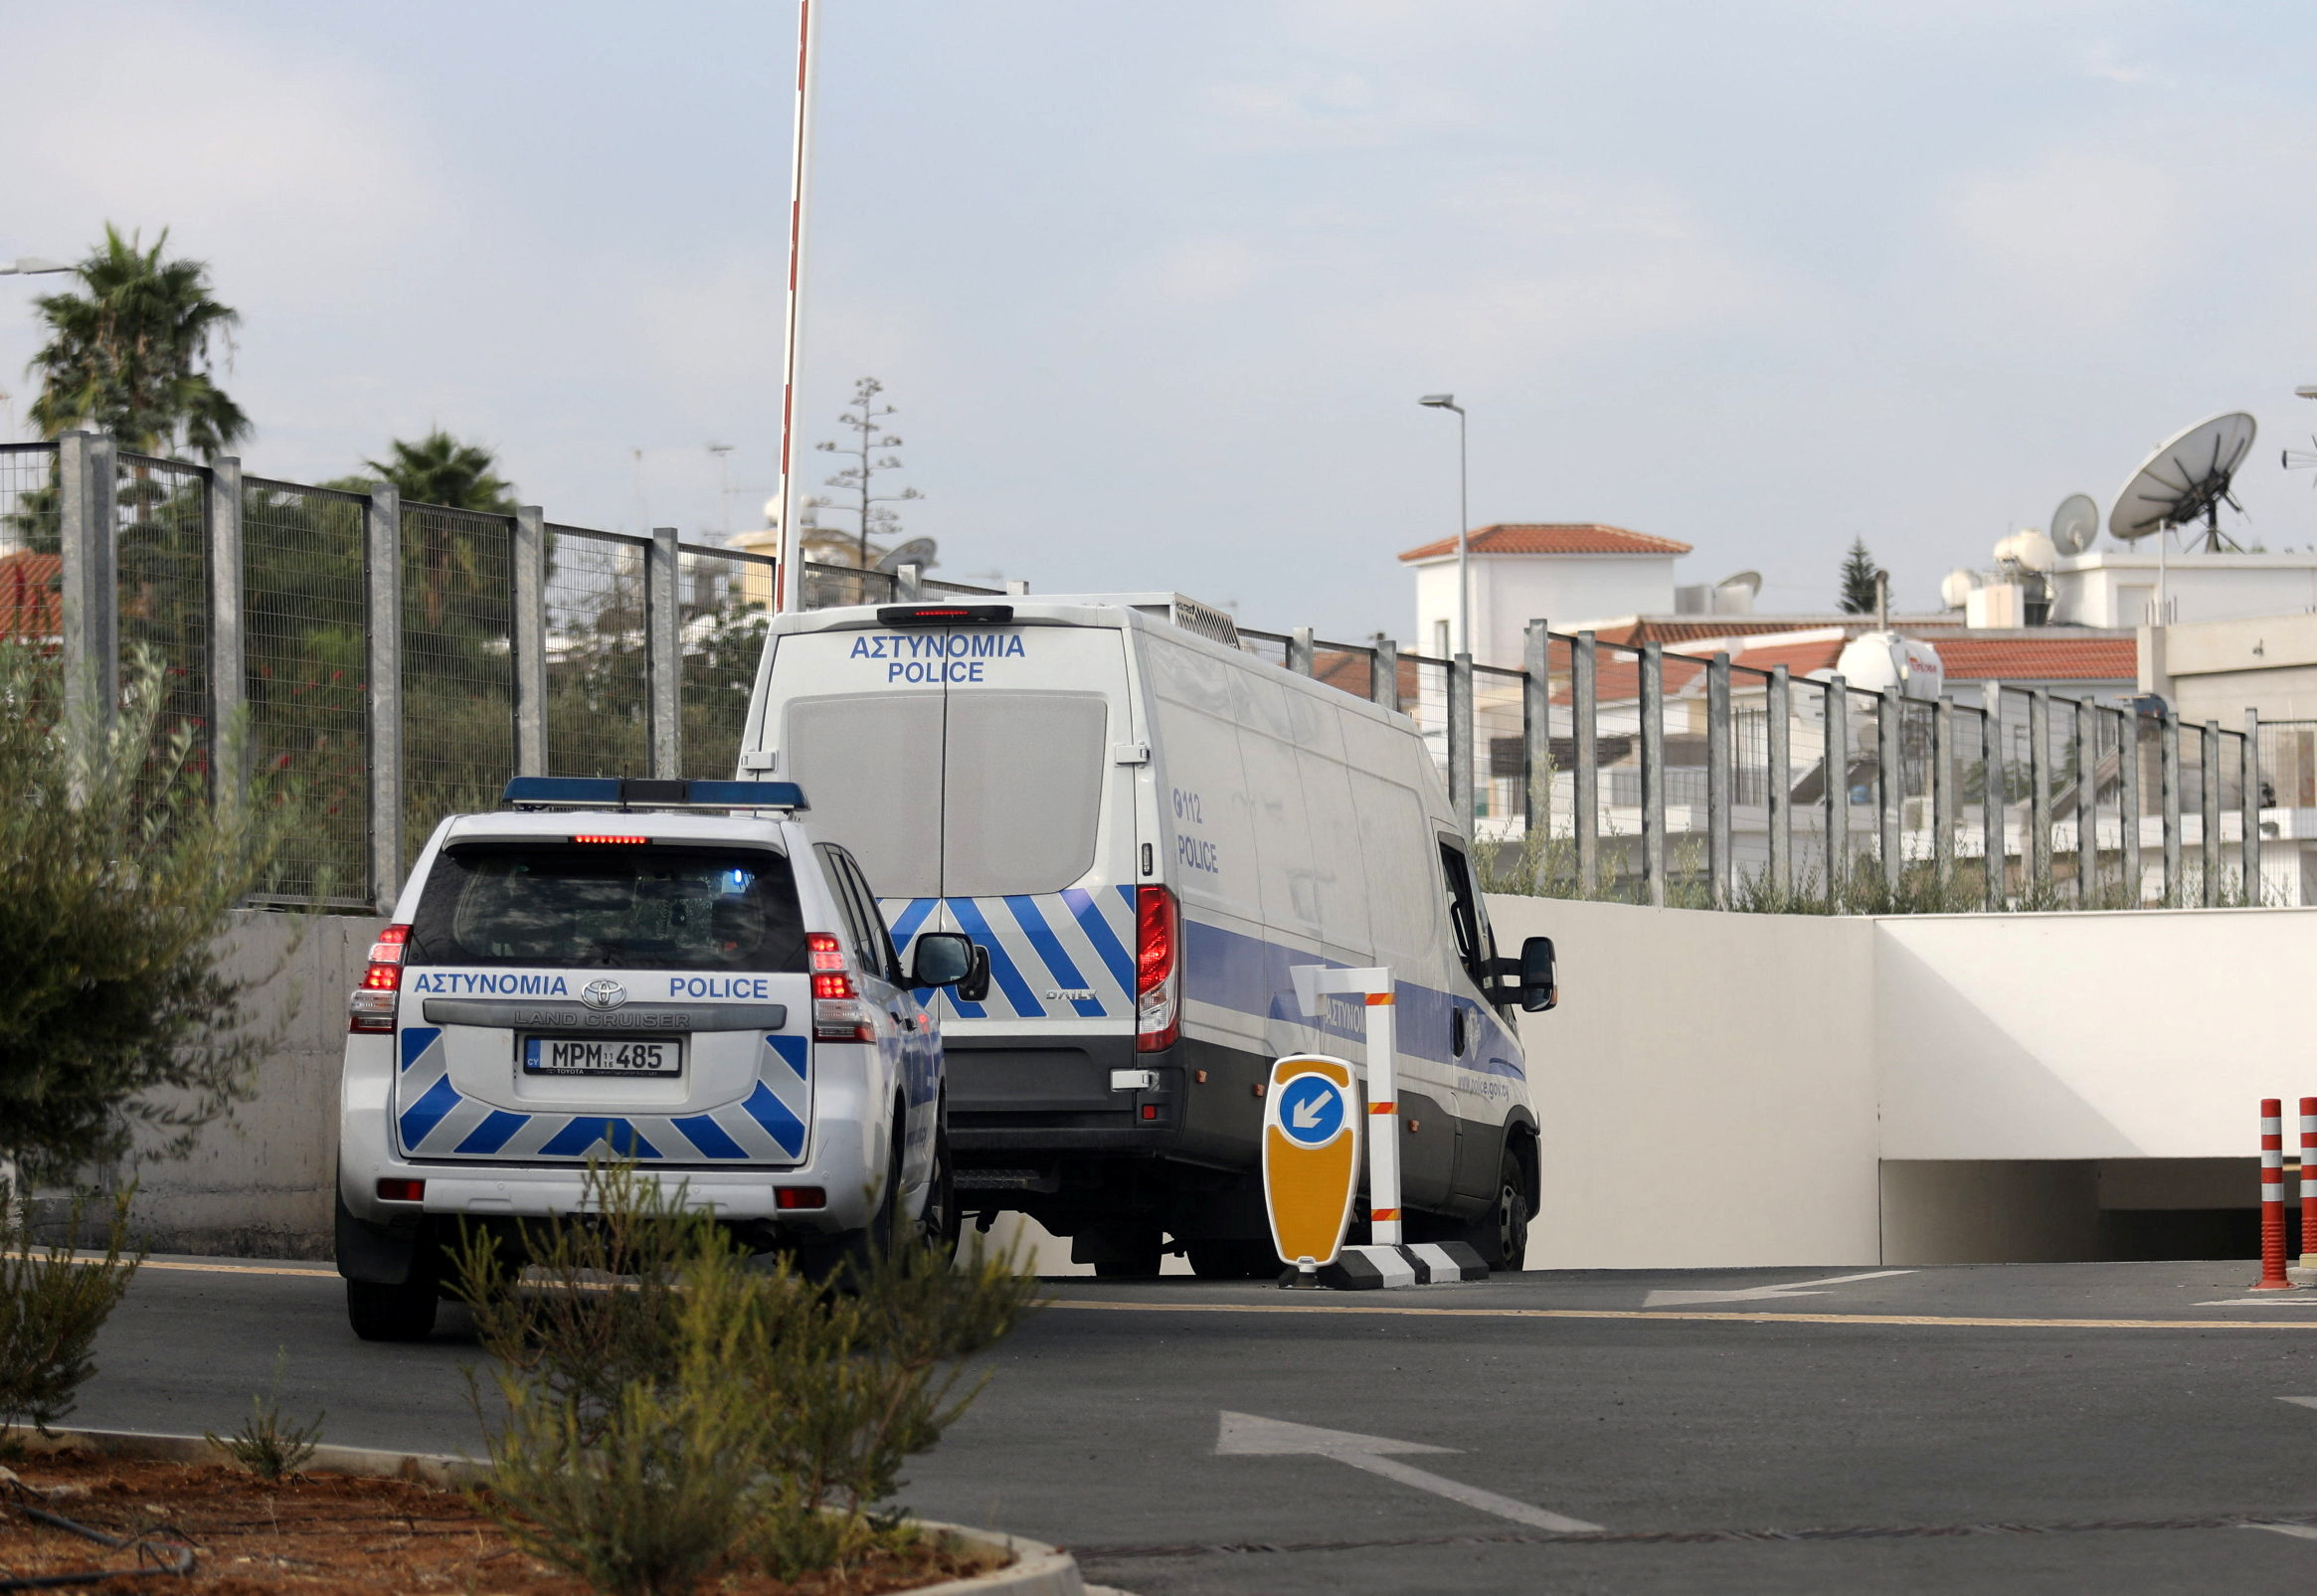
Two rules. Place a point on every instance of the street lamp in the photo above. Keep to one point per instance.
(1464, 590)
(31, 265)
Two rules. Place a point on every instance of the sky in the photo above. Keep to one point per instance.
(1156, 287)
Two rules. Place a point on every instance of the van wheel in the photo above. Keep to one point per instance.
(1501, 1235)
(381, 1313)
(1132, 1254)
(1232, 1260)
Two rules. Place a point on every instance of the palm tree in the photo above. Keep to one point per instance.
(130, 352)
(439, 470)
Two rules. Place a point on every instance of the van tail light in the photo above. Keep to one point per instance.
(371, 1008)
(1158, 970)
(838, 1012)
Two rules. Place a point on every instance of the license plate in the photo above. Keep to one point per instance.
(602, 1055)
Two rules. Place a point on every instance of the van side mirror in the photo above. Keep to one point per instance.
(941, 959)
(975, 987)
(1539, 981)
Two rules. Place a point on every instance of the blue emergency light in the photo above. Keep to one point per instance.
(641, 793)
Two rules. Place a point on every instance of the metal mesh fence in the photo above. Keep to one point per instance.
(725, 622)
(1268, 646)
(306, 631)
(161, 544)
(459, 665)
(827, 586)
(1346, 666)
(1500, 753)
(29, 567)
(598, 704)
(2288, 765)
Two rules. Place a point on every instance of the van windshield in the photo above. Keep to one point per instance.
(618, 907)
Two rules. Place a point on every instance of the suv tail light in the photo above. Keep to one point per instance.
(838, 1012)
(1158, 970)
(371, 1008)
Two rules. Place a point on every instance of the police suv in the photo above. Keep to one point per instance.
(677, 972)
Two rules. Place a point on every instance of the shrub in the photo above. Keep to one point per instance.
(113, 1009)
(51, 1305)
(264, 1445)
(673, 1408)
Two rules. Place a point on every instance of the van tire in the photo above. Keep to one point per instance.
(1500, 1234)
(404, 1313)
(1135, 1257)
(1232, 1260)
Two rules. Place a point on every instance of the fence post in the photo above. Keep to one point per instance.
(1299, 650)
(228, 679)
(1536, 739)
(1585, 732)
(88, 595)
(1943, 790)
(1718, 779)
(1835, 767)
(382, 542)
(2087, 805)
(529, 620)
(1460, 740)
(1383, 674)
(1778, 781)
(1994, 795)
(2249, 848)
(2168, 729)
(1653, 772)
(908, 582)
(664, 653)
(2040, 791)
(2128, 805)
(1890, 781)
(2209, 790)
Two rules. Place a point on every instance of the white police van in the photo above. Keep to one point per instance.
(1147, 828)
(677, 972)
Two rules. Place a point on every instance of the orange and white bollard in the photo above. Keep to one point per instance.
(2272, 1197)
(2310, 1182)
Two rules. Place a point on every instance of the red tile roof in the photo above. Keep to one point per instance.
(29, 606)
(1551, 537)
(2060, 657)
(1799, 659)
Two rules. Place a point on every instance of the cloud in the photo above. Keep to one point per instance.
(2078, 239)
(2102, 62)
(1203, 271)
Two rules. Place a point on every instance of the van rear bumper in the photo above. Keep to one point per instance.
(1027, 1101)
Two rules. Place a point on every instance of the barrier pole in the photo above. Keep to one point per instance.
(1384, 1122)
(2272, 1197)
(2310, 1182)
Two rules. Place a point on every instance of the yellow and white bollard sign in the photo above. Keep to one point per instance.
(1311, 1157)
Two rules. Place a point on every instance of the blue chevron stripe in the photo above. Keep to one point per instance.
(795, 1052)
(416, 1041)
(702, 1130)
(1032, 920)
(1002, 966)
(421, 1118)
(911, 919)
(585, 1131)
(773, 1113)
(498, 1127)
(1105, 942)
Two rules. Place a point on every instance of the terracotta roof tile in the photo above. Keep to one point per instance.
(1554, 537)
(29, 604)
(2056, 659)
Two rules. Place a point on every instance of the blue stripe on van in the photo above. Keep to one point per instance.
(1032, 921)
(907, 922)
(1105, 942)
(1001, 970)
(497, 1128)
(708, 1138)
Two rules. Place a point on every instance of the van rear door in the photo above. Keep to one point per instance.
(972, 769)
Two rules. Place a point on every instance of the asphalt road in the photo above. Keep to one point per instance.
(2023, 1428)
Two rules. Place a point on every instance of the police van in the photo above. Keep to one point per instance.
(677, 972)
(1147, 828)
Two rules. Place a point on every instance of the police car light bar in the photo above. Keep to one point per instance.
(633, 792)
(943, 614)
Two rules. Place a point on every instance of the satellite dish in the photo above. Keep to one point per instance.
(1957, 587)
(2187, 477)
(917, 552)
(2029, 550)
(773, 510)
(2075, 523)
(1747, 582)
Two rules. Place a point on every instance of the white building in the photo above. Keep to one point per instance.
(2117, 587)
(1571, 573)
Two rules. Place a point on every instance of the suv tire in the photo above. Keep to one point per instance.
(381, 1313)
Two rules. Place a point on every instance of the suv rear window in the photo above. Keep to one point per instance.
(617, 907)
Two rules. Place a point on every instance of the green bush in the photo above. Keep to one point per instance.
(265, 1445)
(672, 1407)
(113, 1009)
(51, 1305)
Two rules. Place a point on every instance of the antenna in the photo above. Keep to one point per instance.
(2075, 523)
(2185, 479)
(917, 552)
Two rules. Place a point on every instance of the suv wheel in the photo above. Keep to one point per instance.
(381, 1313)
(939, 1222)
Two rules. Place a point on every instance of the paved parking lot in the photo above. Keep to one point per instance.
(2023, 1428)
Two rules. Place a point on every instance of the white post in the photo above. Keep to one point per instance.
(788, 576)
(1383, 1122)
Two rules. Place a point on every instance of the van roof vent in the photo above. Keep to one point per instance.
(1204, 619)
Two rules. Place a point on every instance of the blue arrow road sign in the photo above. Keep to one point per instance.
(1310, 1111)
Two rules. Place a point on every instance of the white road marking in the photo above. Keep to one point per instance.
(2301, 1532)
(2300, 1401)
(2274, 1300)
(1247, 1435)
(1757, 1294)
